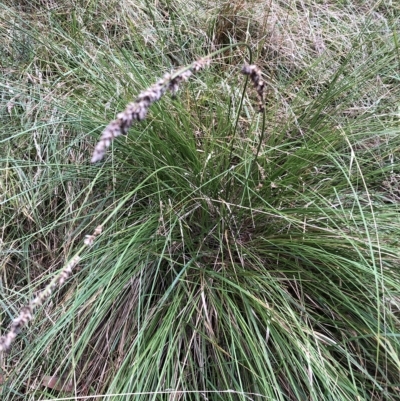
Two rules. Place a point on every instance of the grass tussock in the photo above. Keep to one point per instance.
(224, 253)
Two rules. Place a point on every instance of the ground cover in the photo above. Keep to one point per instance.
(243, 255)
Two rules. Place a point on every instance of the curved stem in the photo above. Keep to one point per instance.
(228, 187)
(255, 157)
(211, 55)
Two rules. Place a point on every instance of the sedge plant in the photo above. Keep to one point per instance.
(223, 253)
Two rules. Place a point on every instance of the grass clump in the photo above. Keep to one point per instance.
(241, 254)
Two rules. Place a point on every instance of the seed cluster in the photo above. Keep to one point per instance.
(255, 75)
(89, 239)
(137, 110)
(26, 313)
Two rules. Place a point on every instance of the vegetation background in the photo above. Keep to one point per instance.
(243, 256)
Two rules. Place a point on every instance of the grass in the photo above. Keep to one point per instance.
(243, 255)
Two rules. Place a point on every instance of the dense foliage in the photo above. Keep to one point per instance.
(243, 255)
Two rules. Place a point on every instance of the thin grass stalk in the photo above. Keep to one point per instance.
(239, 110)
(255, 75)
(232, 143)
